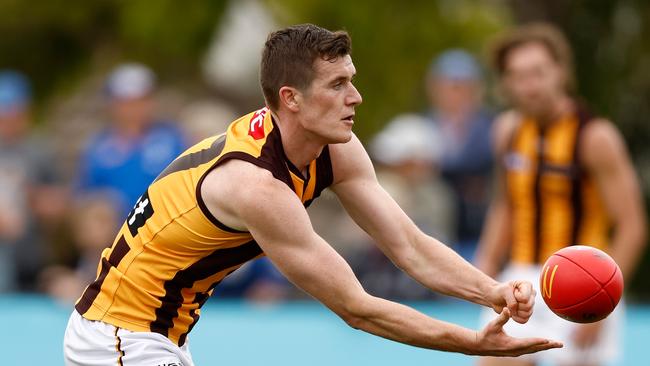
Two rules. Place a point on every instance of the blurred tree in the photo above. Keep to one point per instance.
(55, 42)
(393, 43)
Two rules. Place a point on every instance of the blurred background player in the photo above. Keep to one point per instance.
(129, 153)
(564, 178)
(30, 190)
(455, 91)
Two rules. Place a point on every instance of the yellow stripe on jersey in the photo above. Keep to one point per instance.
(171, 251)
(554, 202)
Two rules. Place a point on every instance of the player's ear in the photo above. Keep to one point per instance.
(290, 97)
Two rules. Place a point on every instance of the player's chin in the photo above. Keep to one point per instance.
(341, 137)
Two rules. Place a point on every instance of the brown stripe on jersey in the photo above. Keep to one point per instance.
(199, 198)
(324, 174)
(294, 169)
(217, 261)
(275, 159)
(537, 192)
(577, 181)
(195, 159)
(117, 254)
(200, 299)
(271, 158)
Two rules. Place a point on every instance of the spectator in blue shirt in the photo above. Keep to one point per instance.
(455, 90)
(128, 154)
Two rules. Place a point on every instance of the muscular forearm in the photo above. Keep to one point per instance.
(406, 325)
(441, 269)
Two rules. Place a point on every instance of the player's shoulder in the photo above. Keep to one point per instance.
(349, 159)
(238, 190)
(241, 182)
(600, 129)
(600, 139)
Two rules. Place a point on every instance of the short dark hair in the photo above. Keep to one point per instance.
(289, 55)
(545, 34)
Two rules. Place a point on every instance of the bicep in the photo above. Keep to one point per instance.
(369, 205)
(280, 225)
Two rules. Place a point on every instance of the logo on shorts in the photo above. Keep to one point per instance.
(256, 126)
(169, 364)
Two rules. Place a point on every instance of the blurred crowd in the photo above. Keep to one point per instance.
(62, 199)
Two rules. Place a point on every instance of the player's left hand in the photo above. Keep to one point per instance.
(517, 296)
(586, 335)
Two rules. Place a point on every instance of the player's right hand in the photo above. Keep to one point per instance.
(493, 340)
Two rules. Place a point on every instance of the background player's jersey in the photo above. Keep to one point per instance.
(553, 200)
(171, 251)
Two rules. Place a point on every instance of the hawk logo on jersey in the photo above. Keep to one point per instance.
(139, 214)
(256, 126)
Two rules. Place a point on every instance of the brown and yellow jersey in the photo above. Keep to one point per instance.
(171, 251)
(554, 201)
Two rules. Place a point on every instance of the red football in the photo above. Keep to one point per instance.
(581, 284)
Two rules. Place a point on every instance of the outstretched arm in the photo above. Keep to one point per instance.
(426, 259)
(279, 223)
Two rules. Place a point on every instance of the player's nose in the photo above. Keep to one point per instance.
(354, 97)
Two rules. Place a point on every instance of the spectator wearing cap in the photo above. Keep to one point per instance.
(455, 93)
(30, 189)
(127, 155)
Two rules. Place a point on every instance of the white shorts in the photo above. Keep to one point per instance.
(544, 323)
(95, 343)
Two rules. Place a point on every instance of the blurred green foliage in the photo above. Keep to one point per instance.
(393, 43)
(56, 42)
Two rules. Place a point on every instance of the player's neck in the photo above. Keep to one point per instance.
(298, 146)
(557, 109)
